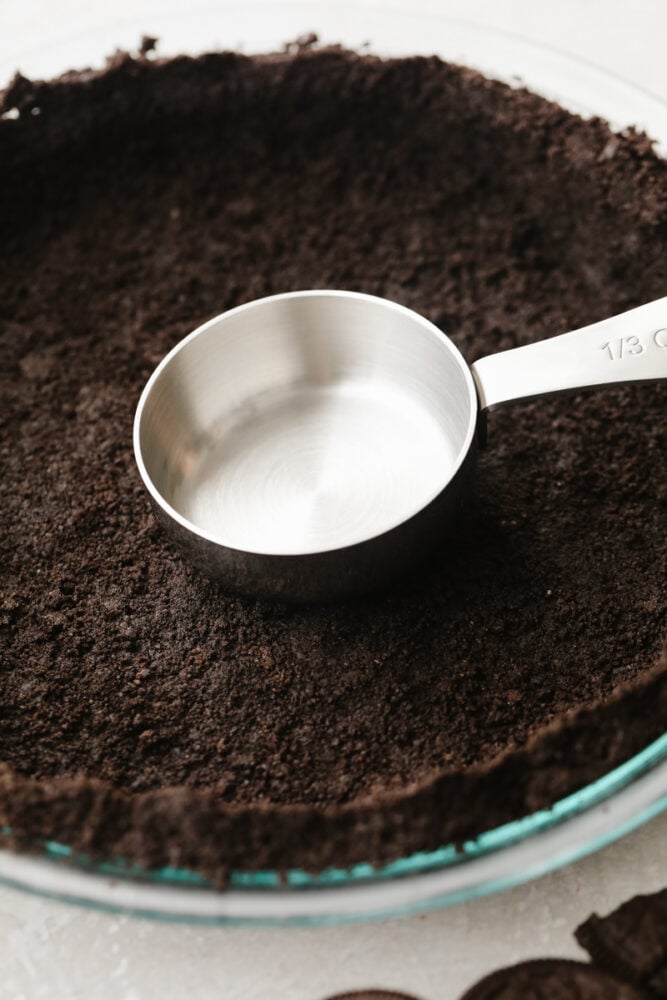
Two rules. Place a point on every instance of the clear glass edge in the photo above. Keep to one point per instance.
(354, 23)
(424, 861)
(392, 910)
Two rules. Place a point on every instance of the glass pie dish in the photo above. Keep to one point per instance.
(519, 850)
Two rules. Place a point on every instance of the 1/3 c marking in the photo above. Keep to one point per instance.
(617, 349)
(628, 346)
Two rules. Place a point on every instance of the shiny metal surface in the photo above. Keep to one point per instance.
(313, 444)
(630, 347)
(309, 424)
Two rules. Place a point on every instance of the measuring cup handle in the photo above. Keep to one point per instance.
(631, 347)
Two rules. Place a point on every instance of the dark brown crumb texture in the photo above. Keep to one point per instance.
(146, 713)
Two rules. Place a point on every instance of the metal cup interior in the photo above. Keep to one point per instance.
(304, 423)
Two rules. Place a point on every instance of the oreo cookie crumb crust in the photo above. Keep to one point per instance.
(149, 715)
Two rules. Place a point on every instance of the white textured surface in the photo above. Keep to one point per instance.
(48, 950)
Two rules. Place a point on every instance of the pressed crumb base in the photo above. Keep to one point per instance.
(148, 714)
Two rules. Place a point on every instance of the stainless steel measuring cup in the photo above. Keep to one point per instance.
(308, 445)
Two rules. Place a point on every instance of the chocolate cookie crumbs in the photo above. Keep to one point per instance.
(631, 942)
(150, 715)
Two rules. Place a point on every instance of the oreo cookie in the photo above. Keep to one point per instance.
(552, 979)
(372, 995)
(631, 942)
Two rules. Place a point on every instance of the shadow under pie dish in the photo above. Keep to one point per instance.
(151, 716)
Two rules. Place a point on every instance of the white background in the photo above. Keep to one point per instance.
(54, 951)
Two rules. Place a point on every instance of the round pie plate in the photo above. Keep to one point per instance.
(526, 848)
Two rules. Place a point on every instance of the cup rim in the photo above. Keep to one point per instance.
(380, 302)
